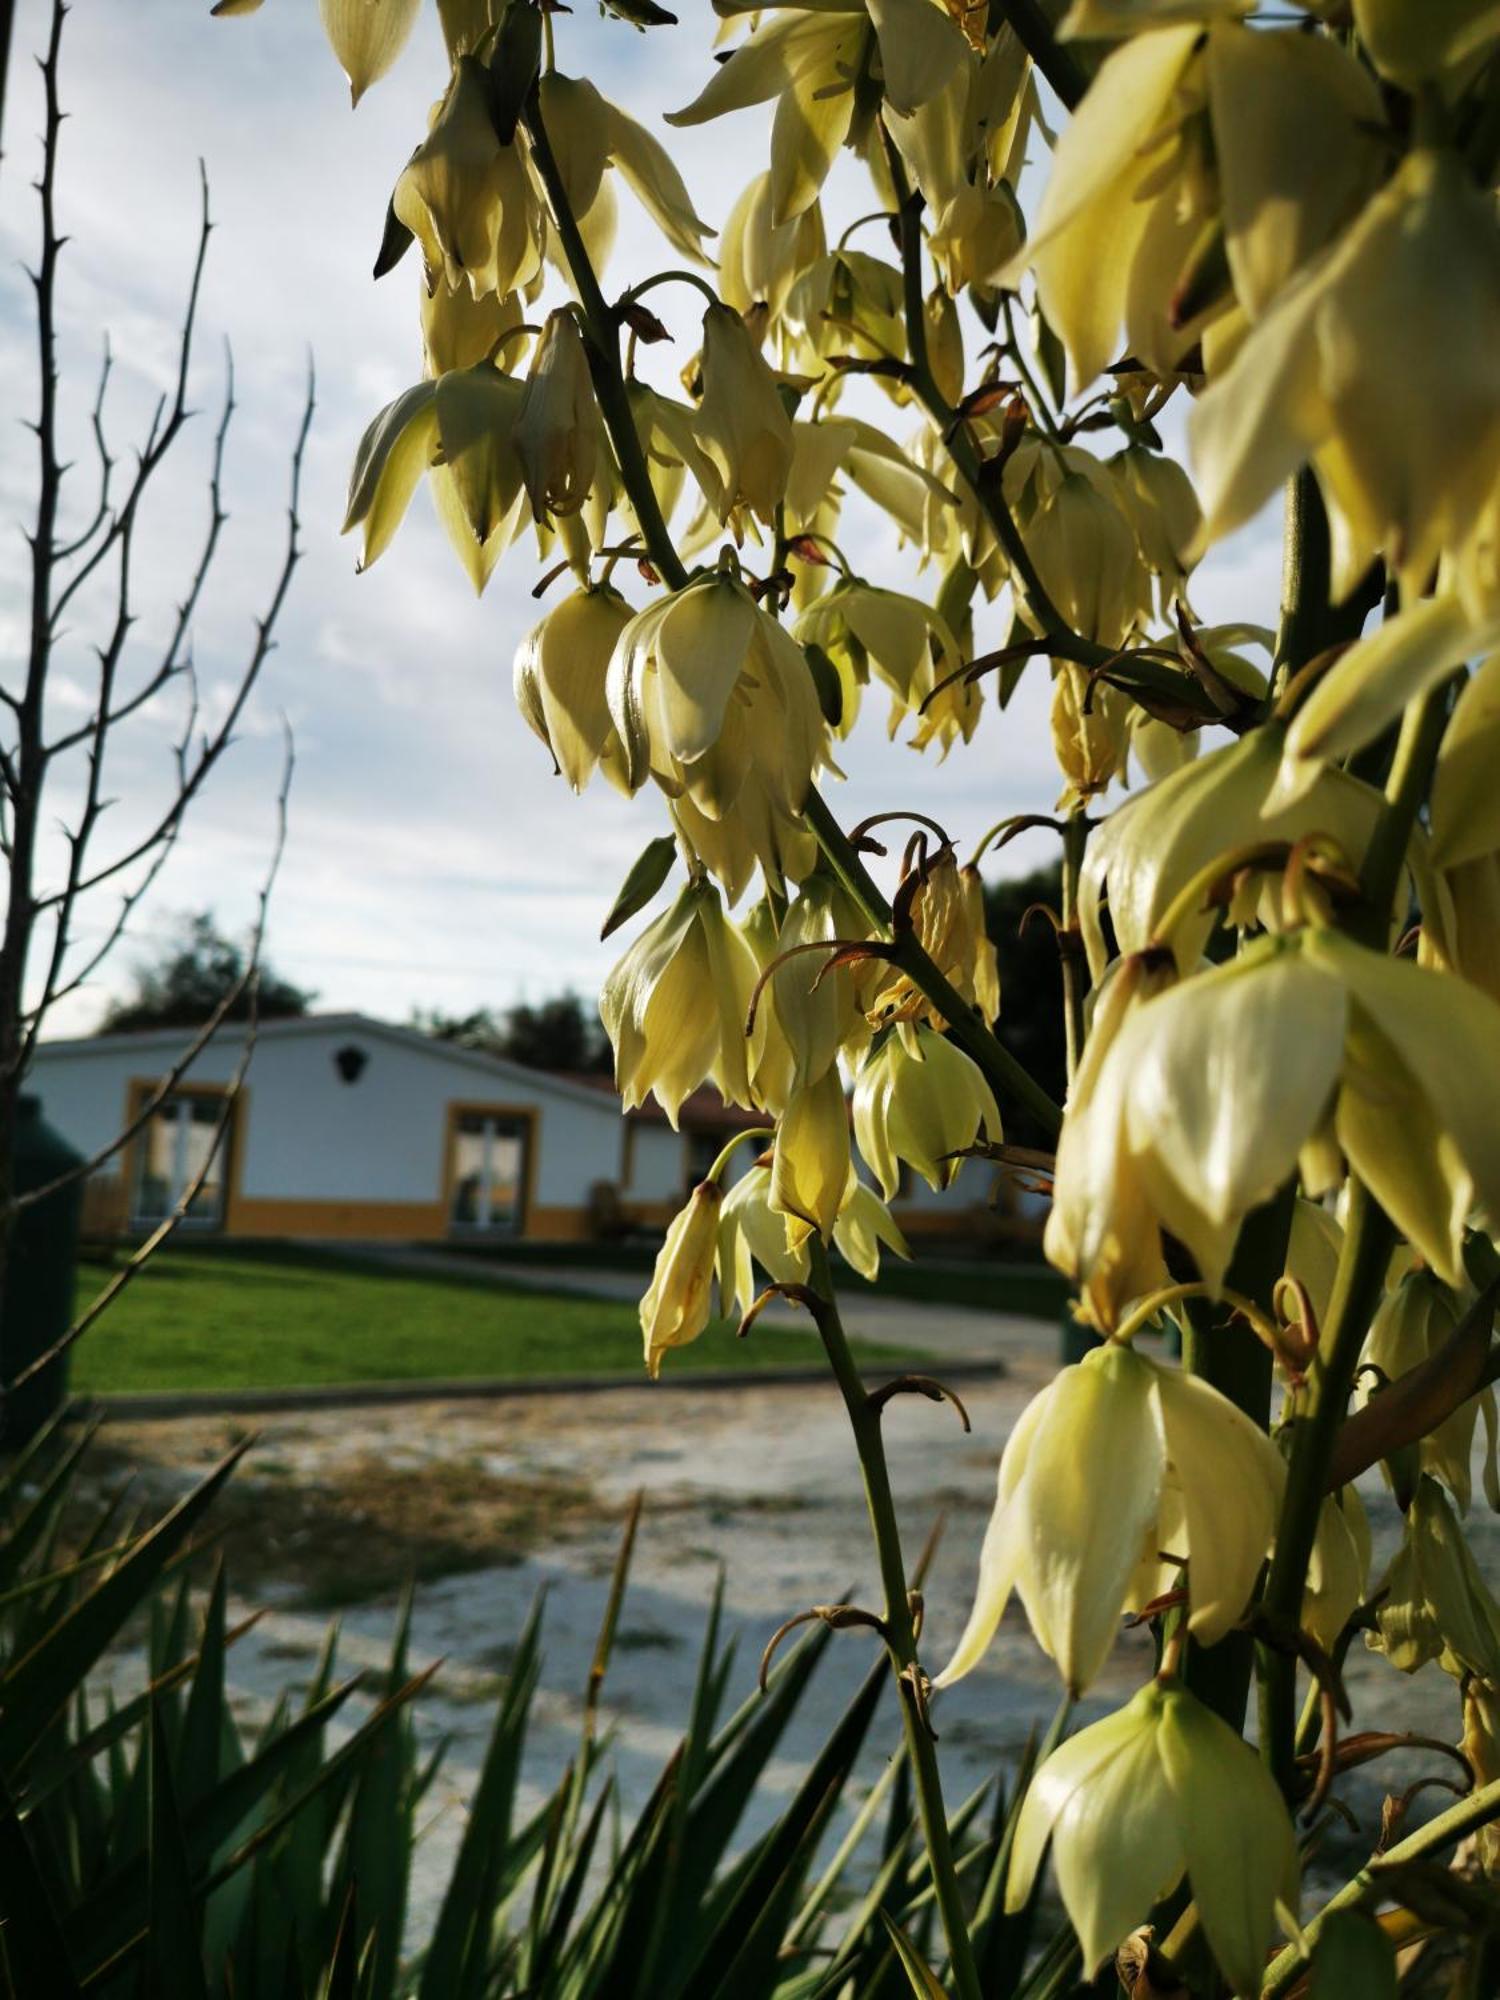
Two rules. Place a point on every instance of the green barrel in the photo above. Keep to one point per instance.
(37, 1307)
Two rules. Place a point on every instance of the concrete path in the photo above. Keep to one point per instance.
(960, 1333)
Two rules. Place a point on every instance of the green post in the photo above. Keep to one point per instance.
(37, 1307)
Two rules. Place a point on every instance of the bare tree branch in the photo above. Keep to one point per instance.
(249, 983)
(215, 744)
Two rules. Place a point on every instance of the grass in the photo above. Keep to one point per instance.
(997, 1283)
(199, 1319)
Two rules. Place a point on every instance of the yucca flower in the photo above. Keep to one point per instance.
(678, 1303)
(365, 35)
(709, 693)
(588, 136)
(743, 426)
(811, 1013)
(674, 1006)
(864, 630)
(849, 302)
(1209, 1093)
(460, 429)
(1252, 149)
(1159, 503)
(559, 431)
(1340, 371)
(1153, 845)
(752, 1233)
(559, 682)
(1130, 1805)
(1412, 46)
(1172, 1465)
(1416, 1319)
(760, 832)
(1481, 1746)
(808, 60)
(460, 331)
(1103, 1232)
(468, 198)
(761, 259)
(1091, 733)
(921, 1101)
(1087, 557)
(1433, 1602)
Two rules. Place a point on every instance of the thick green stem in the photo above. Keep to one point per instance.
(982, 480)
(1227, 1354)
(1057, 63)
(900, 1630)
(1481, 1808)
(1411, 772)
(1075, 967)
(1368, 1238)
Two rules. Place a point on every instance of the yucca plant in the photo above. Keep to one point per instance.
(155, 1844)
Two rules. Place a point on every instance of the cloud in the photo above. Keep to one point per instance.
(432, 854)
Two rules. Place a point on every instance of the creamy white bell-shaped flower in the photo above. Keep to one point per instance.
(559, 682)
(1159, 1790)
(708, 693)
(752, 1233)
(1080, 1502)
(920, 1100)
(674, 1006)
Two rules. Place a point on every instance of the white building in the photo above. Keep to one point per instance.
(347, 1127)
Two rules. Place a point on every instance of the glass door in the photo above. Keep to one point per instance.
(176, 1144)
(489, 1173)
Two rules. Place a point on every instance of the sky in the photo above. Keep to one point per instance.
(433, 860)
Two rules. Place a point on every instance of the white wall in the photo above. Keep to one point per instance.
(309, 1136)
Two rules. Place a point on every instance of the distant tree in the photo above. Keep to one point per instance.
(182, 987)
(556, 1034)
(1031, 1007)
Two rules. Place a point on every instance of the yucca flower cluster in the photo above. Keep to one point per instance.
(1273, 231)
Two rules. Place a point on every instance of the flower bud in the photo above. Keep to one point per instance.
(674, 1007)
(676, 1307)
(1173, 1464)
(1159, 1790)
(1338, 1571)
(559, 678)
(811, 1164)
(919, 1099)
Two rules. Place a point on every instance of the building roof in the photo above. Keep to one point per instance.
(174, 1040)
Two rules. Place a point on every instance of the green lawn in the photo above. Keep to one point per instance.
(244, 1319)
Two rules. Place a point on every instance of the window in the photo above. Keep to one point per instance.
(171, 1151)
(489, 1156)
